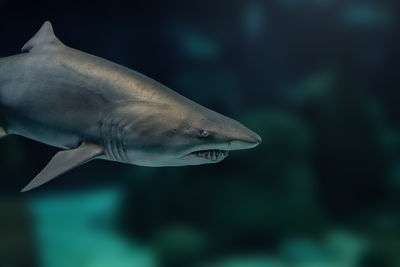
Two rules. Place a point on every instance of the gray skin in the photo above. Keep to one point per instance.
(93, 108)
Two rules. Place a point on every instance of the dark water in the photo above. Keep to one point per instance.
(317, 79)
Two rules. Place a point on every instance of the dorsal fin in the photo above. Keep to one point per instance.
(44, 38)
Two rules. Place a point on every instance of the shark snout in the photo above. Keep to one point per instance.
(247, 139)
(255, 139)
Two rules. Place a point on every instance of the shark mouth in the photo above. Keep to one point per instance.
(212, 154)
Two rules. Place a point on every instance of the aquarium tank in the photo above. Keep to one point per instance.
(318, 80)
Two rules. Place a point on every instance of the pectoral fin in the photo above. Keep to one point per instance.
(64, 161)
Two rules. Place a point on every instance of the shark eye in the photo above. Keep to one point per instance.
(204, 133)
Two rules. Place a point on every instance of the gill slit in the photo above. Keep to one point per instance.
(106, 139)
(121, 142)
(111, 133)
(113, 141)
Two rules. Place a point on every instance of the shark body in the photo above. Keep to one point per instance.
(96, 109)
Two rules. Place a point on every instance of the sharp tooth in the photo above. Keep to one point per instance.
(211, 154)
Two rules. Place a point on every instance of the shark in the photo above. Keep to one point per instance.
(92, 108)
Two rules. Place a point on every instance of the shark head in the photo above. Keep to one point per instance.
(212, 136)
(186, 134)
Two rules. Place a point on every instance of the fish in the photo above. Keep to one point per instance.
(92, 108)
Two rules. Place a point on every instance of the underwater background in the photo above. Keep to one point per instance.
(318, 80)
